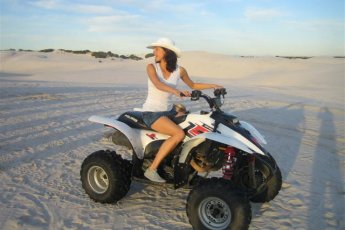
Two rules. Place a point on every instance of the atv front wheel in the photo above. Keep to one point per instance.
(268, 180)
(105, 176)
(271, 190)
(216, 204)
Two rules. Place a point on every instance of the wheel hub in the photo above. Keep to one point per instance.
(98, 179)
(214, 213)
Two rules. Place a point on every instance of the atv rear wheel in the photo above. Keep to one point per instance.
(216, 204)
(105, 176)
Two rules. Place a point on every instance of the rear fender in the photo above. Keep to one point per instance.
(130, 133)
(188, 146)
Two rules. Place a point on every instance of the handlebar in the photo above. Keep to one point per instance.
(214, 103)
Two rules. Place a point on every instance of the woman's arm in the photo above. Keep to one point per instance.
(157, 83)
(193, 85)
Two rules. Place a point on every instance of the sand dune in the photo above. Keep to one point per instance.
(46, 99)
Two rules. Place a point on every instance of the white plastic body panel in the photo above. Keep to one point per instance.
(255, 133)
(241, 139)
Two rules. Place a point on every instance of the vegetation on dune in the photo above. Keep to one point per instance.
(25, 50)
(294, 57)
(47, 50)
(134, 57)
(98, 54)
(101, 54)
(76, 51)
(149, 55)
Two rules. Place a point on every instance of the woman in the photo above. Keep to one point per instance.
(163, 78)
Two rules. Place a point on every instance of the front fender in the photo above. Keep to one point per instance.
(195, 141)
(130, 133)
(255, 133)
(226, 140)
(229, 135)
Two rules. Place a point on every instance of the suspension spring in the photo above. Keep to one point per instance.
(229, 162)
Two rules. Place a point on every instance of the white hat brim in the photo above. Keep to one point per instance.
(176, 50)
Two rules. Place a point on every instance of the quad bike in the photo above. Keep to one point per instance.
(221, 159)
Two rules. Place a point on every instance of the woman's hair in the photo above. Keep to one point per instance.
(171, 59)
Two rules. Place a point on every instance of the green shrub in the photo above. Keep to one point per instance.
(293, 57)
(149, 55)
(110, 54)
(134, 57)
(67, 51)
(77, 51)
(81, 52)
(47, 50)
(25, 50)
(99, 54)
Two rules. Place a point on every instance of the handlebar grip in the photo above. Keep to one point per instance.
(220, 92)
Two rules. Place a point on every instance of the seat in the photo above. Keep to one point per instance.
(133, 119)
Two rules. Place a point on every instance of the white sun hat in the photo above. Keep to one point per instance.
(166, 43)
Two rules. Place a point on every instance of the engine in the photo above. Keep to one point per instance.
(208, 157)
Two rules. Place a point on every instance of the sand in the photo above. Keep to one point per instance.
(46, 99)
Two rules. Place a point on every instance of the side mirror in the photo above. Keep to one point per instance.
(195, 95)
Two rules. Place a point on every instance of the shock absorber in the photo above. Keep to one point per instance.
(229, 162)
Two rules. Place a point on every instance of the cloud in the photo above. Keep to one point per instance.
(46, 4)
(262, 14)
(112, 19)
(180, 8)
(68, 6)
(112, 23)
(317, 25)
(92, 9)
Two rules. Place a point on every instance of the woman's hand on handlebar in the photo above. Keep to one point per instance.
(185, 94)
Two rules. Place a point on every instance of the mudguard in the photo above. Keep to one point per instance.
(238, 139)
(195, 141)
(130, 133)
(254, 132)
(187, 147)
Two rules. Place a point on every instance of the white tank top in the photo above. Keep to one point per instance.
(158, 100)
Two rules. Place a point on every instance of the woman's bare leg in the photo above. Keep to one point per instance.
(165, 126)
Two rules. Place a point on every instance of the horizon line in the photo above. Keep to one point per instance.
(188, 51)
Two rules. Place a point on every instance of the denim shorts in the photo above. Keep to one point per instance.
(150, 117)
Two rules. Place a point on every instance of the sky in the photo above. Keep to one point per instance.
(232, 27)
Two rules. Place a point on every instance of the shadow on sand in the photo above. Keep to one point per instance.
(291, 134)
(8, 75)
(327, 178)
